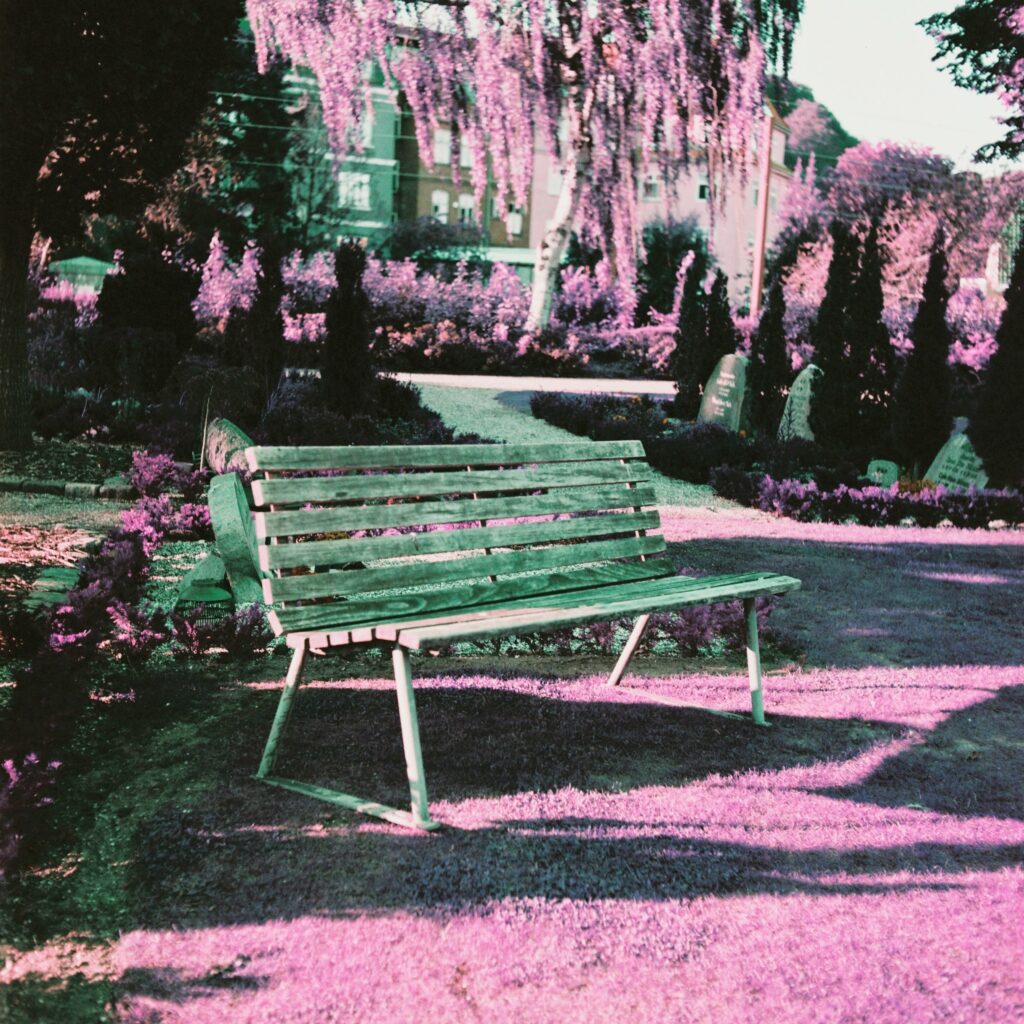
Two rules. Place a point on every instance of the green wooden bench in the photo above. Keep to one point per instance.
(416, 547)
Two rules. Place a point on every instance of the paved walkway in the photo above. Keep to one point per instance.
(572, 385)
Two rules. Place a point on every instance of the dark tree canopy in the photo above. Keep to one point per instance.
(981, 44)
(922, 412)
(997, 428)
(96, 101)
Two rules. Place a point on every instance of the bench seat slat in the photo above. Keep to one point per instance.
(601, 604)
(301, 490)
(425, 513)
(409, 574)
(433, 456)
(343, 615)
(338, 552)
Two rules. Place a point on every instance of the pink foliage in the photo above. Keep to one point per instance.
(226, 286)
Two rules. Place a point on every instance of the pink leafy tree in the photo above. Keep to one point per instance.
(611, 91)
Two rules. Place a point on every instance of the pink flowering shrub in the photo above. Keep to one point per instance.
(154, 473)
(226, 286)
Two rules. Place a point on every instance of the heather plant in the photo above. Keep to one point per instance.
(997, 426)
(922, 414)
(24, 790)
(348, 379)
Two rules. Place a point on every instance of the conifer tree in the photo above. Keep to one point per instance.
(347, 367)
(265, 322)
(691, 330)
(722, 338)
(997, 428)
(871, 353)
(835, 392)
(769, 371)
(922, 412)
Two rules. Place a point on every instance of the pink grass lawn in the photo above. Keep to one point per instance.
(610, 859)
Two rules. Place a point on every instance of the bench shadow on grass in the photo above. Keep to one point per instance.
(884, 604)
(970, 764)
(250, 853)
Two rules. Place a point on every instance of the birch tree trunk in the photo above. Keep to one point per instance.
(552, 246)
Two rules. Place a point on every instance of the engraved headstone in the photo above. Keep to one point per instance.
(957, 464)
(725, 397)
(883, 473)
(796, 415)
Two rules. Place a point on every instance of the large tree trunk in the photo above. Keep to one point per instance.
(552, 246)
(16, 195)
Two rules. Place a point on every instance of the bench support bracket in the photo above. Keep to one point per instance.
(419, 816)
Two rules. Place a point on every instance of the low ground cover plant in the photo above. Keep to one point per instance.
(794, 478)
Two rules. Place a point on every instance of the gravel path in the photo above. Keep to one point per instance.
(492, 413)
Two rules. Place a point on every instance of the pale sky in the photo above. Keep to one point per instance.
(870, 64)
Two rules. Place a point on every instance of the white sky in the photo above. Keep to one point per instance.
(870, 64)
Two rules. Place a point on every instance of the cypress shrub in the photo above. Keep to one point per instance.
(347, 367)
(997, 429)
(922, 410)
(769, 371)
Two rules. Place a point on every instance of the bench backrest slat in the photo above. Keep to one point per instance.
(352, 487)
(331, 552)
(407, 574)
(334, 518)
(520, 509)
(407, 604)
(433, 456)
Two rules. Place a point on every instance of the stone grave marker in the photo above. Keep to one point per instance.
(796, 416)
(725, 397)
(883, 473)
(958, 464)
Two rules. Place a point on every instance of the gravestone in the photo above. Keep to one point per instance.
(725, 397)
(957, 464)
(796, 416)
(883, 473)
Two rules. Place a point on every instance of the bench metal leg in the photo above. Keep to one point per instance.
(628, 651)
(753, 660)
(411, 738)
(284, 708)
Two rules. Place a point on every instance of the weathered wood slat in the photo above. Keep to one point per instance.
(389, 629)
(344, 615)
(424, 513)
(236, 541)
(357, 487)
(339, 552)
(433, 456)
(704, 591)
(355, 581)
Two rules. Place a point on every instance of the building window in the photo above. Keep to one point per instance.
(778, 147)
(773, 201)
(465, 155)
(354, 190)
(439, 202)
(465, 208)
(650, 188)
(515, 220)
(442, 146)
(756, 194)
(703, 189)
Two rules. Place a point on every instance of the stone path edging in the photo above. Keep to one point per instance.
(115, 489)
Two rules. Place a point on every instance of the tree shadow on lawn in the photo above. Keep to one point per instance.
(885, 604)
(970, 764)
(249, 853)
